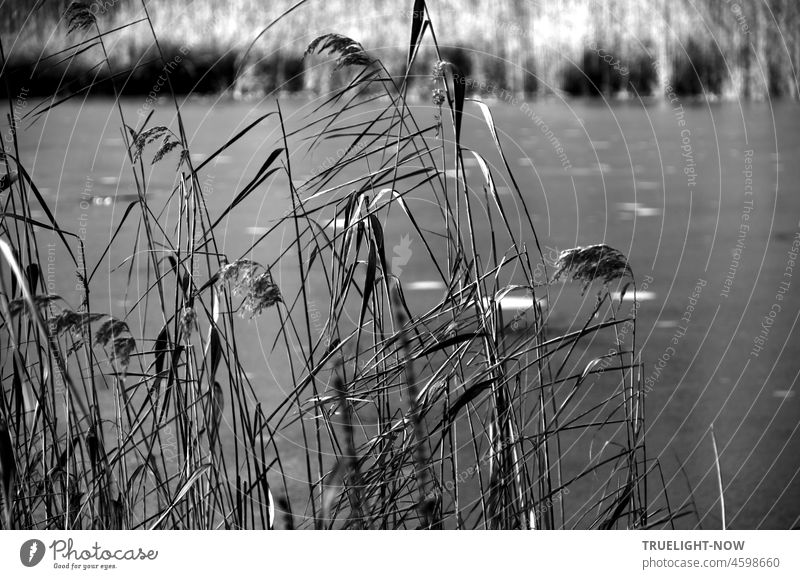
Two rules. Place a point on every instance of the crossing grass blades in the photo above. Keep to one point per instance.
(442, 417)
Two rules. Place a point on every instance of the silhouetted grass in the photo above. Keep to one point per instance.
(406, 418)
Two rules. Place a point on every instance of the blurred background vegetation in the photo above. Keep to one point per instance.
(622, 48)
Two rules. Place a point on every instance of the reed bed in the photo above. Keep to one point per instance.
(447, 416)
(586, 47)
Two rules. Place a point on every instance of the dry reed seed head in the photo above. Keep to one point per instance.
(438, 70)
(17, 306)
(264, 294)
(81, 280)
(79, 17)
(350, 52)
(438, 93)
(238, 272)
(587, 264)
(110, 330)
(122, 352)
(167, 145)
(187, 321)
(74, 322)
(151, 135)
(259, 289)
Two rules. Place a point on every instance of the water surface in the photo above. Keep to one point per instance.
(668, 188)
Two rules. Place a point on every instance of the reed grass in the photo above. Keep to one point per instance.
(588, 47)
(445, 417)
